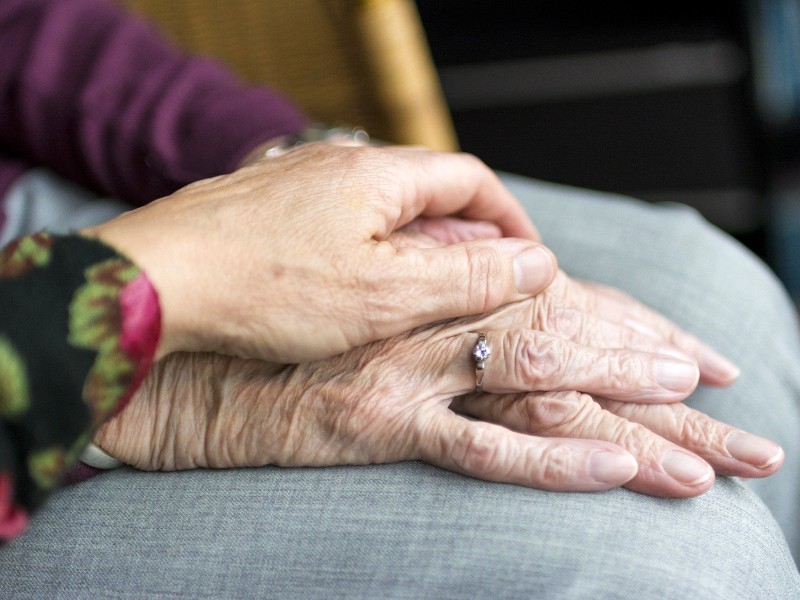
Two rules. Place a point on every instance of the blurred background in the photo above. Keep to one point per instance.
(696, 102)
(689, 101)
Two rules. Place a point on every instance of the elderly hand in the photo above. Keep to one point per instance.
(604, 317)
(288, 259)
(588, 313)
(390, 401)
(675, 446)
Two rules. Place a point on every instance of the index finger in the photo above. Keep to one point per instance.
(457, 184)
(494, 453)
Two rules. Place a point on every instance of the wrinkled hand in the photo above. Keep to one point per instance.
(288, 259)
(678, 449)
(391, 401)
(588, 313)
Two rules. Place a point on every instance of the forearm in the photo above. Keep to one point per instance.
(102, 99)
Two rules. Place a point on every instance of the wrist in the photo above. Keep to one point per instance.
(117, 235)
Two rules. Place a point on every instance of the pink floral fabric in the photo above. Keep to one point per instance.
(79, 328)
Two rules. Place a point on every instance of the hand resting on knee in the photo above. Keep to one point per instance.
(582, 391)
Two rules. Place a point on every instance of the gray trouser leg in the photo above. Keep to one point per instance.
(413, 531)
(674, 261)
(40, 199)
(397, 531)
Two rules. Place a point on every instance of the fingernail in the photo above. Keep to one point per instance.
(612, 467)
(711, 360)
(753, 449)
(533, 270)
(686, 468)
(676, 375)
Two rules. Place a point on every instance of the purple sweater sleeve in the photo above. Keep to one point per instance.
(97, 95)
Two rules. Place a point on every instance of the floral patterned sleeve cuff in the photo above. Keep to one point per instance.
(79, 327)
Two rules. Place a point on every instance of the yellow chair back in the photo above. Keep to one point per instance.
(357, 62)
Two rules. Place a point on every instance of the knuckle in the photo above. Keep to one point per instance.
(474, 161)
(479, 452)
(374, 169)
(557, 464)
(555, 411)
(628, 338)
(539, 359)
(485, 270)
(631, 436)
(693, 432)
(625, 372)
(635, 438)
(566, 322)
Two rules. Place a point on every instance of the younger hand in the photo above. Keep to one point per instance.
(288, 259)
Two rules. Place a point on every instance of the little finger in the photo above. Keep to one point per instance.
(729, 450)
(494, 453)
(665, 469)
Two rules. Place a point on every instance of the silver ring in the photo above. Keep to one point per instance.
(480, 354)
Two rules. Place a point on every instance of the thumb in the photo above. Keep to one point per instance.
(473, 277)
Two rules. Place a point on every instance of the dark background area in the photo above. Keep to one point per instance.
(692, 102)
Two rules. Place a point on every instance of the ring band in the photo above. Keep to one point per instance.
(480, 353)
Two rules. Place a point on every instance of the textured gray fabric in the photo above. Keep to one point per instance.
(674, 261)
(397, 531)
(40, 199)
(413, 531)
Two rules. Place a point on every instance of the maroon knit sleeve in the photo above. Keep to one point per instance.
(98, 96)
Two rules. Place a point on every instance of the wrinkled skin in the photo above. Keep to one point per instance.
(584, 402)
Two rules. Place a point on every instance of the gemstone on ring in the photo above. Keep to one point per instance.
(481, 351)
